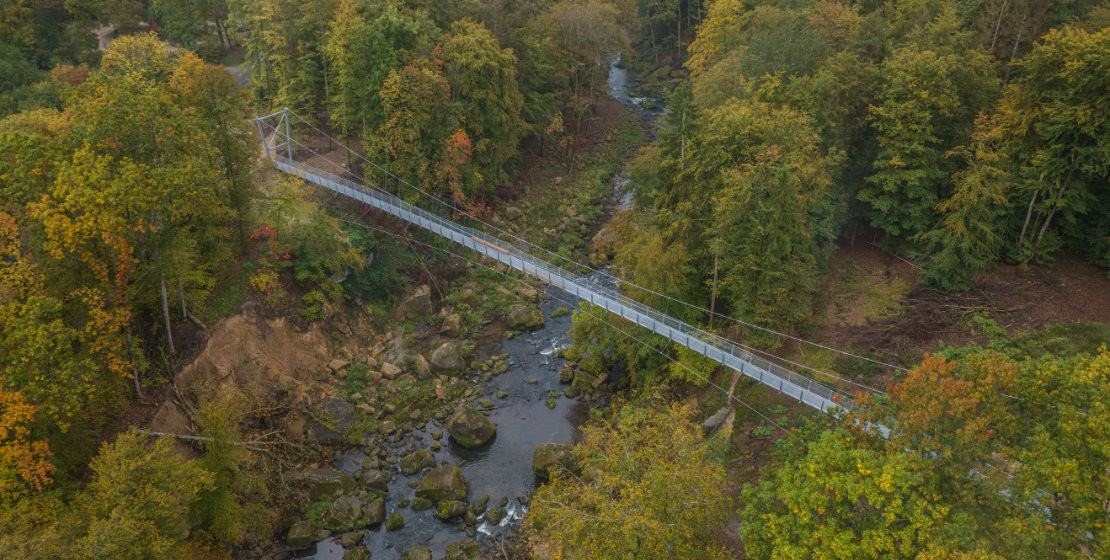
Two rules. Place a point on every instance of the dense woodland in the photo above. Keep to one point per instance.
(956, 134)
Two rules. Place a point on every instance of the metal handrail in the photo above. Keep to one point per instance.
(807, 390)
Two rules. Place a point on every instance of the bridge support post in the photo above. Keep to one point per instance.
(262, 135)
(288, 136)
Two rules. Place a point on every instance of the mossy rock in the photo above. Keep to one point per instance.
(394, 521)
(300, 535)
(450, 509)
(417, 553)
(462, 550)
(357, 554)
(469, 428)
(354, 511)
(417, 461)
(421, 504)
(525, 318)
(495, 515)
(444, 482)
(547, 456)
(481, 504)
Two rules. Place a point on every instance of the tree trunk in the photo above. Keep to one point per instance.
(1028, 215)
(166, 313)
(1048, 219)
(997, 25)
(713, 296)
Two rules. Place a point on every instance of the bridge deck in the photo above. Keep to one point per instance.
(806, 390)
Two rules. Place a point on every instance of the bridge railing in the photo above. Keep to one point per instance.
(801, 387)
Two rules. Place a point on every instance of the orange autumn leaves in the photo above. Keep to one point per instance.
(24, 463)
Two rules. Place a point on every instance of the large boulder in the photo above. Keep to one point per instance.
(525, 318)
(448, 357)
(417, 461)
(417, 553)
(354, 511)
(462, 550)
(553, 455)
(300, 535)
(470, 429)
(419, 304)
(444, 482)
(325, 483)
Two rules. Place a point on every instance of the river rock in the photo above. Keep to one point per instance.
(450, 509)
(374, 480)
(462, 550)
(421, 504)
(394, 522)
(354, 511)
(452, 325)
(553, 455)
(390, 371)
(357, 554)
(448, 357)
(417, 553)
(300, 535)
(325, 483)
(529, 293)
(423, 368)
(566, 374)
(525, 318)
(470, 429)
(418, 304)
(495, 515)
(444, 482)
(417, 461)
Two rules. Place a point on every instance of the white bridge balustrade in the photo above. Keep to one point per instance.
(813, 393)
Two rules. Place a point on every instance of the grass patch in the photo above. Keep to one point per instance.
(226, 298)
(1061, 340)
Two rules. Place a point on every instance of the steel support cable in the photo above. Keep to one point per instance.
(645, 309)
(596, 271)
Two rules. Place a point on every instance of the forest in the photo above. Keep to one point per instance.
(204, 358)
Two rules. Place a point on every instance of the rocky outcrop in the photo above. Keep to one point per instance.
(444, 482)
(448, 357)
(462, 550)
(354, 511)
(418, 304)
(525, 318)
(547, 456)
(469, 428)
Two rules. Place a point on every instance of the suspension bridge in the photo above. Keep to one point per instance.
(278, 146)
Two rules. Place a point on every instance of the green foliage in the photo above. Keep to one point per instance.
(136, 505)
(649, 489)
(483, 82)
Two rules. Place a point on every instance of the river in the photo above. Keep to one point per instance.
(501, 469)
